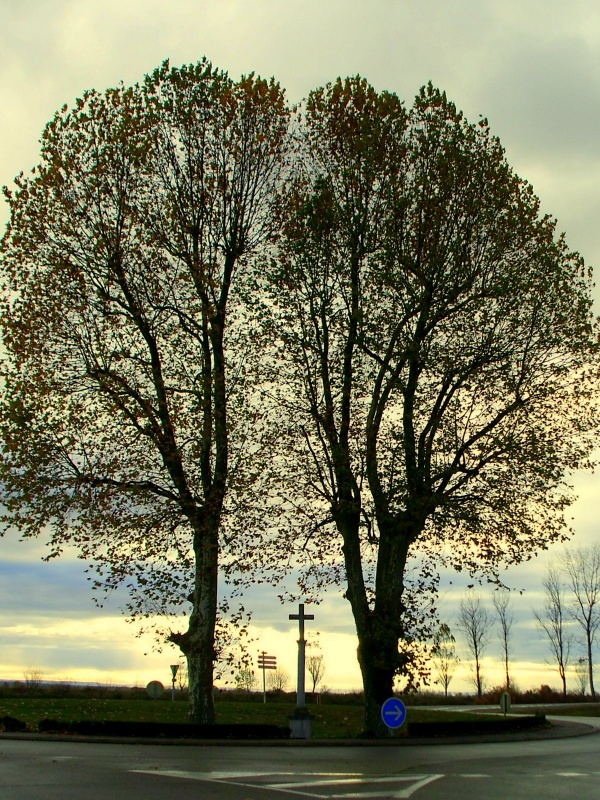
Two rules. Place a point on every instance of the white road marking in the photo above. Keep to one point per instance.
(349, 783)
(417, 781)
(572, 774)
(232, 775)
(224, 776)
(402, 793)
(300, 787)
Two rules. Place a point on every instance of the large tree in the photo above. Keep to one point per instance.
(436, 346)
(126, 409)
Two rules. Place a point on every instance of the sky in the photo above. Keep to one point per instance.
(533, 69)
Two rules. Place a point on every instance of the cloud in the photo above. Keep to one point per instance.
(547, 97)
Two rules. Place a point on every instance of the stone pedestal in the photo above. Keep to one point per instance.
(301, 724)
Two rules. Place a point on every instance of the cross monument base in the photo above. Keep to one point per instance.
(301, 724)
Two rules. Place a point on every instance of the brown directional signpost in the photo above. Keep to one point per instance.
(266, 662)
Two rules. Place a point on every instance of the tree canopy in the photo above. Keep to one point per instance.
(186, 276)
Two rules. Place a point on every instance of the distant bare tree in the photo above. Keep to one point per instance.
(475, 623)
(278, 679)
(553, 620)
(181, 678)
(582, 567)
(245, 679)
(444, 656)
(506, 620)
(315, 664)
(105, 687)
(33, 677)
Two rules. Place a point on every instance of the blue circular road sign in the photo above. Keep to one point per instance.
(393, 712)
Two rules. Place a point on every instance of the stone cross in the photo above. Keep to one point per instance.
(301, 616)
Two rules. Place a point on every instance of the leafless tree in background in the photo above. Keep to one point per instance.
(278, 679)
(245, 679)
(553, 620)
(315, 665)
(475, 623)
(33, 677)
(444, 656)
(181, 678)
(582, 568)
(506, 619)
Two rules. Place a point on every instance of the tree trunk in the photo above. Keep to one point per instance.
(200, 668)
(591, 668)
(198, 642)
(563, 678)
(378, 672)
(478, 680)
(378, 629)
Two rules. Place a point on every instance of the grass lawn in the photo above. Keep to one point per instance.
(566, 710)
(330, 721)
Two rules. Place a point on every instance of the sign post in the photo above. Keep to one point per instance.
(505, 702)
(266, 662)
(174, 670)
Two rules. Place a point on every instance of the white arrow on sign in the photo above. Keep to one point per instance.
(394, 714)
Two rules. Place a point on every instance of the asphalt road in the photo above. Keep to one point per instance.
(51, 770)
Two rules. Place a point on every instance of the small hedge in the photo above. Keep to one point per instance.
(12, 725)
(170, 730)
(157, 730)
(475, 727)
